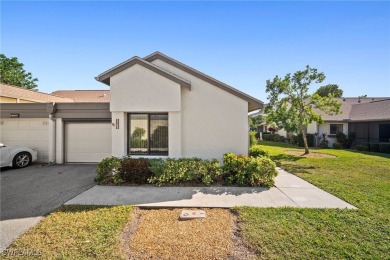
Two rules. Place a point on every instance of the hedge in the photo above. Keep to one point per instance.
(310, 140)
(375, 147)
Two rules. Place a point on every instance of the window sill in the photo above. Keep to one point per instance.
(153, 156)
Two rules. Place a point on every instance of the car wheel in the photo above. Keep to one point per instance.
(22, 160)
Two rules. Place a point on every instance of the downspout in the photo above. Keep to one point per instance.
(52, 134)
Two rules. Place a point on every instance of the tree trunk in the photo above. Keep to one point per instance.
(305, 140)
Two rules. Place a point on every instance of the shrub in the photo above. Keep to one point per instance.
(337, 146)
(256, 151)
(374, 147)
(257, 135)
(252, 138)
(173, 171)
(273, 137)
(267, 137)
(108, 171)
(292, 139)
(279, 138)
(248, 171)
(362, 147)
(310, 140)
(384, 147)
(346, 140)
(135, 171)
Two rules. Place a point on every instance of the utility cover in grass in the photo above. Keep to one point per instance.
(161, 235)
(192, 214)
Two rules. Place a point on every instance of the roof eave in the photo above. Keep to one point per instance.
(105, 76)
(251, 100)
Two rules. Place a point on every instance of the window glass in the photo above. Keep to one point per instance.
(158, 134)
(148, 134)
(138, 133)
(335, 128)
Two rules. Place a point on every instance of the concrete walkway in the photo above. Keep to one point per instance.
(289, 191)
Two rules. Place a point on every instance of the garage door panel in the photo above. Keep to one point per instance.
(87, 142)
(33, 132)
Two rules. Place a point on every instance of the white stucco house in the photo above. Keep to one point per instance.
(156, 107)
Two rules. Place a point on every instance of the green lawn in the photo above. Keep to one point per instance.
(76, 232)
(360, 178)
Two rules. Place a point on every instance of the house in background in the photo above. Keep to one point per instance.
(368, 117)
(12, 94)
(156, 107)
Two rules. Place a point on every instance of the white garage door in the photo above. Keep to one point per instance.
(87, 142)
(33, 132)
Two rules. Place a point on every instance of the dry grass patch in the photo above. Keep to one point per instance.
(76, 232)
(161, 235)
(310, 155)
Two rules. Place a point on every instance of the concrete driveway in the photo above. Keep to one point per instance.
(30, 193)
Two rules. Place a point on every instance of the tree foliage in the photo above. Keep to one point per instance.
(12, 73)
(291, 106)
(256, 120)
(332, 89)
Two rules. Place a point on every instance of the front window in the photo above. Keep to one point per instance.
(335, 128)
(148, 134)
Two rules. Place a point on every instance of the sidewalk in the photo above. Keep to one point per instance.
(289, 191)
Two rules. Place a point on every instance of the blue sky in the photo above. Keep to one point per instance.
(66, 44)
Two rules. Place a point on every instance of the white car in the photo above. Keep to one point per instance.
(17, 156)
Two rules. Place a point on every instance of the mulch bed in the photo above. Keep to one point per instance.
(310, 155)
(159, 234)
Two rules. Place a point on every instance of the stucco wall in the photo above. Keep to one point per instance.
(213, 121)
(204, 122)
(138, 89)
(7, 100)
(325, 128)
(14, 100)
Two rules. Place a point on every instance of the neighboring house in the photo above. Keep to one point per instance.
(369, 118)
(12, 94)
(157, 107)
(32, 122)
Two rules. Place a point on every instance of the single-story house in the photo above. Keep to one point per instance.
(156, 107)
(368, 117)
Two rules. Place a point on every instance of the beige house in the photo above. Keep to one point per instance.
(179, 111)
(12, 94)
(156, 107)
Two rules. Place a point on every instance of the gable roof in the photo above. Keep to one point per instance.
(105, 76)
(254, 103)
(35, 96)
(84, 96)
(374, 110)
(353, 108)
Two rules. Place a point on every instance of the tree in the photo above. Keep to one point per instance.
(290, 105)
(334, 89)
(12, 73)
(256, 120)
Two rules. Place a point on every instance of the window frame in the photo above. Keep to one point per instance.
(330, 128)
(149, 153)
